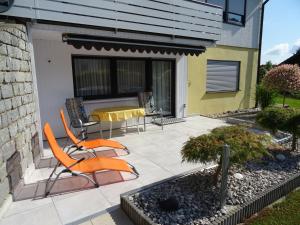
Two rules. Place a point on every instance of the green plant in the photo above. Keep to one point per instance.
(285, 119)
(244, 146)
(264, 96)
(284, 79)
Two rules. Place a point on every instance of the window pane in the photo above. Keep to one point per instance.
(131, 76)
(92, 77)
(222, 76)
(233, 18)
(162, 86)
(236, 6)
(217, 2)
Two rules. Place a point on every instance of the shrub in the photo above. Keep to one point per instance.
(244, 146)
(284, 79)
(264, 96)
(285, 119)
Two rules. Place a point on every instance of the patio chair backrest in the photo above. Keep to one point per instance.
(59, 154)
(76, 112)
(146, 101)
(67, 129)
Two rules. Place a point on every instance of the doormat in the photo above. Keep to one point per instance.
(166, 121)
(51, 162)
(64, 185)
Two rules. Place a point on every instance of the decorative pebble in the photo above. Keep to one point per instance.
(238, 176)
(280, 157)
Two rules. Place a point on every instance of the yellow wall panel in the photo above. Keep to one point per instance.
(200, 102)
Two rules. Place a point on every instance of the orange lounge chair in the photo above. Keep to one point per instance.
(82, 166)
(89, 144)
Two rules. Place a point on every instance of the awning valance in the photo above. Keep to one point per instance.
(108, 43)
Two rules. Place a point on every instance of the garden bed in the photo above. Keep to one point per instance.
(257, 185)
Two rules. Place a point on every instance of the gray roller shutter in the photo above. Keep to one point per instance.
(222, 76)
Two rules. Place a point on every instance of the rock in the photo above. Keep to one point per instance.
(280, 157)
(238, 176)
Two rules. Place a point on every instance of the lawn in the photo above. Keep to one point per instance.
(286, 212)
(292, 102)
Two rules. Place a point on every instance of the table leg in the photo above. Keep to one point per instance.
(101, 134)
(126, 127)
(138, 123)
(110, 130)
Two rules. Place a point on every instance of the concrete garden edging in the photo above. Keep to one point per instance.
(234, 216)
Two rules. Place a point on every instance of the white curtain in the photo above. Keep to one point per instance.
(92, 76)
(162, 85)
(131, 76)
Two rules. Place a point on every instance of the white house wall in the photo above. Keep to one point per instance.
(55, 80)
(247, 36)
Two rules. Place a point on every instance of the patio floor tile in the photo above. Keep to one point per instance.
(45, 215)
(81, 205)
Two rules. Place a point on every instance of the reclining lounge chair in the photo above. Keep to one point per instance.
(89, 144)
(83, 166)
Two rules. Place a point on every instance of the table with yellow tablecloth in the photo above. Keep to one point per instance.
(118, 114)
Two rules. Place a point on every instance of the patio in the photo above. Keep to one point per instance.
(154, 153)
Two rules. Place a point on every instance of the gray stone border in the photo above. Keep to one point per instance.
(233, 217)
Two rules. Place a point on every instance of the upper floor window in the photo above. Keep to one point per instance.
(234, 10)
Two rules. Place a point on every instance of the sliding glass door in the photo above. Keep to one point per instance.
(163, 85)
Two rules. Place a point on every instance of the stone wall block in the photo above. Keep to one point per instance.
(4, 119)
(8, 105)
(5, 37)
(4, 136)
(13, 115)
(28, 88)
(20, 141)
(16, 102)
(7, 91)
(2, 106)
(25, 66)
(13, 130)
(3, 63)
(14, 52)
(8, 149)
(16, 89)
(3, 49)
(9, 77)
(20, 76)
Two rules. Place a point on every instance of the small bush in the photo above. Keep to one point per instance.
(264, 96)
(285, 119)
(244, 146)
(275, 118)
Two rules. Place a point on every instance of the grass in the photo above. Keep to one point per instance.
(286, 212)
(292, 102)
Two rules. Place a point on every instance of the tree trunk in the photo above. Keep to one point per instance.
(283, 103)
(217, 173)
(294, 142)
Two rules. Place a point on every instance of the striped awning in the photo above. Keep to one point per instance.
(108, 43)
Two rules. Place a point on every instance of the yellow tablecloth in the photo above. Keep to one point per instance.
(117, 113)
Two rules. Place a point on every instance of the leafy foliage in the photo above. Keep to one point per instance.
(263, 69)
(264, 96)
(275, 118)
(285, 119)
(284, 79)
(244, 145)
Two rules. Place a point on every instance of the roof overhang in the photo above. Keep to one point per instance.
(134, 45)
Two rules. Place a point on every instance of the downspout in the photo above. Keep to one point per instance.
(260, 42)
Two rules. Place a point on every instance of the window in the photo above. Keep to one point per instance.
(222, 76)
(114, 77)
(234, 10)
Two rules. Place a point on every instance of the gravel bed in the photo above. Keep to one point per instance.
(198, 198)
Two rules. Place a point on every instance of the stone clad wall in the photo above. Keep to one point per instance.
(18, 123)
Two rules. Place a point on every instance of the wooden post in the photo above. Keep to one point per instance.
(224, 178)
